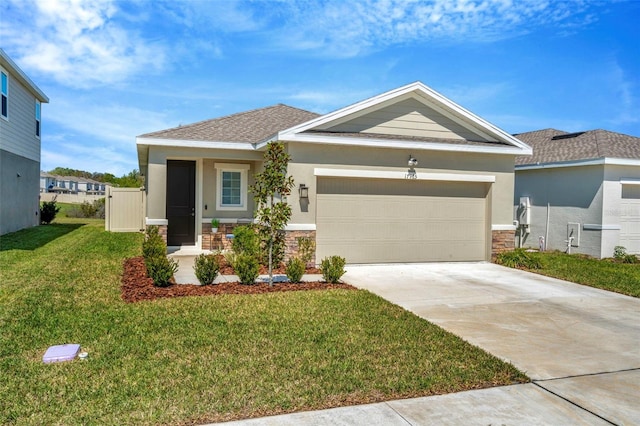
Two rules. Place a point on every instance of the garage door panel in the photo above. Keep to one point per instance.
(630, 218)
(366, 227)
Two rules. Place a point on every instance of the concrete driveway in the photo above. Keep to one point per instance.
(578, 343)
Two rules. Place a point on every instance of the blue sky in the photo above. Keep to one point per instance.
(117, 69)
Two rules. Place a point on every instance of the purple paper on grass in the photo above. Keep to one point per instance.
(60, 353)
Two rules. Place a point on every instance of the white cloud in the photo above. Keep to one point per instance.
(78, 43)
(346, 29)
(627, 106)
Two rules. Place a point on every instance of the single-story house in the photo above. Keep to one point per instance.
(579, 192)
(404, 176)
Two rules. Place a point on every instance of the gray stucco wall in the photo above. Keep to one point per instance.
(566, 195)
(19, 196)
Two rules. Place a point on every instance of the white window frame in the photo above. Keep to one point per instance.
(38, 114)
(244, 172)
(6, 74)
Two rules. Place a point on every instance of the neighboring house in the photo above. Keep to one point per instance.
(47, 182)
(405, 176)
(20, 133)
(91, 187)
(582, 190)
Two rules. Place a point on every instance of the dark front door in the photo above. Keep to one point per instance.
(181, 202)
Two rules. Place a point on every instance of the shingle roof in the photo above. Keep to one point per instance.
(250, 126)
(552, 146)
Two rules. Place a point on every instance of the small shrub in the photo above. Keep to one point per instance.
(519, 258)
(160, 269)
(247, 268)
(246, 241)
(153, 245)
(619, 252)
(206, 267)
(295, 269)
(306, 249)
(88, 210)
(332, 268)
(48, 211)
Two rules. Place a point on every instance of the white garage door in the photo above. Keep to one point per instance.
(630, 218)
(381, 220)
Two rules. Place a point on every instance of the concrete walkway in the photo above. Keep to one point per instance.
(580, 345)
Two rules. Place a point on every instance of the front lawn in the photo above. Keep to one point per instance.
(605, 274)
(200, 359)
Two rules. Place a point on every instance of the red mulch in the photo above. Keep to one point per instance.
(136, 286)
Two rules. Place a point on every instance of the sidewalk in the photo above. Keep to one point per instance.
(526, 404)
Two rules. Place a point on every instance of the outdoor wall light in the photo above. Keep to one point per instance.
(304, 191)
(412, 161)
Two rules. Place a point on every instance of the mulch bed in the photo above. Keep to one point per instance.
(136, 286)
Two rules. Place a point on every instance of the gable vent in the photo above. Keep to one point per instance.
(567, 136)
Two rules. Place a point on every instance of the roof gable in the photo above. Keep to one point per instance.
(557, 146)
(410, 113)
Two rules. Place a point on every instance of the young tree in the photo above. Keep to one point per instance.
(270, 186)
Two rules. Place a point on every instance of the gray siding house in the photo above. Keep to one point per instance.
(20, 133)
(579, 192)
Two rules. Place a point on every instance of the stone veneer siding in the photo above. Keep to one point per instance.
(219, 240)
(502, 241)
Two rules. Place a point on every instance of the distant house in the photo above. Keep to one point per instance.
(20, 133)
(404, 176)
(91, 187)
(71, 185)
(579, 192)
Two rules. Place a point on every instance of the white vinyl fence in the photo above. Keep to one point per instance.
(124, 209)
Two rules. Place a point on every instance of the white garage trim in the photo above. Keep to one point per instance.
(509, 227)
(300, 227)
(388, 174)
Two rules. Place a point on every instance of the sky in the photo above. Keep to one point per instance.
(116, 69)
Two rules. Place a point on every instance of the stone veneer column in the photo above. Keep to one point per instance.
(502, 241)
(291, 243)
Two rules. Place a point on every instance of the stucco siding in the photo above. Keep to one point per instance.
(18, 132)
(19, 202)
(566, 195)
(305, 158)
(407, 118)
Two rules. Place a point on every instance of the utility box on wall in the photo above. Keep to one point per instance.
(573, 234)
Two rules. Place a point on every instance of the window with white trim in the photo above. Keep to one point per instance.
(5, 95)
(231, 191)
(38, 118)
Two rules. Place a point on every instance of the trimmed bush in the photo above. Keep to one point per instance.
(620, 254)
(519, 258)
(206, 267)
(160, 269)
(295, 269)
(246, 241)
(153, 245)
(333, 268)
(247, 268)
(48, 211)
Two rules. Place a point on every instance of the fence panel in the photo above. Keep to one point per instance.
(125, 209)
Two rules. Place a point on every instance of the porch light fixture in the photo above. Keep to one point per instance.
(412, 161)
(303, 190)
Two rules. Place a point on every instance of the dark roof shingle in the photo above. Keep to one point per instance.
(250, 126)
(553, 146)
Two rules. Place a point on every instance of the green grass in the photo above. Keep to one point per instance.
(199, 359)
(605, 274)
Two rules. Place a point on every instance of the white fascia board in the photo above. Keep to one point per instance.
(180, 143)
(391, 174)
(156, 222)
(578, 163)
(300, 227)
(386, 143)
(499, 227)
(629, 181)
